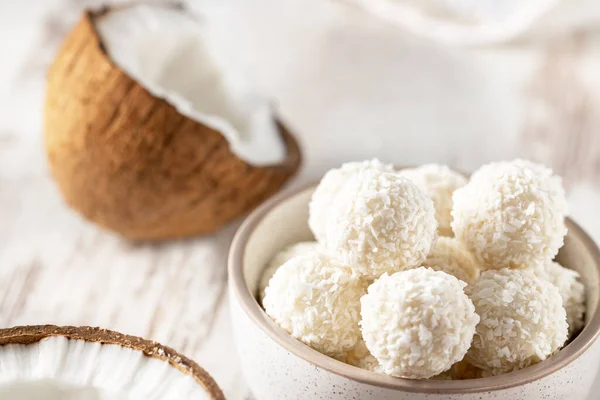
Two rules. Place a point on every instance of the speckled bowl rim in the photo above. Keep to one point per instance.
(239, 289)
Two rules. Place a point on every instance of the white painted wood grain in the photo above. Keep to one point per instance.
(350, 86)
(56, 268)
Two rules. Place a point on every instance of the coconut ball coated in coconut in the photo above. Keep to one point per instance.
(417, 323)
(522, 320)
(328, 189)
(510, 215)
(438, 182)
(381, 222)
(571, 290)
(317, 301)
(280, 258)
(449, 256)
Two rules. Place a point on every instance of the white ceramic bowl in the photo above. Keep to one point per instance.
(279, 367)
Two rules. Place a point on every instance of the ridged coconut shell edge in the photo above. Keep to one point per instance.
(27, 335)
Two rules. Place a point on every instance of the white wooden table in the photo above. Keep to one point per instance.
(350, 87)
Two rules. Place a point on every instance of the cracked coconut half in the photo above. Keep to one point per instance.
(62, 363)
(149, 135)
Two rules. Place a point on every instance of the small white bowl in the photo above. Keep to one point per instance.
(279, 367)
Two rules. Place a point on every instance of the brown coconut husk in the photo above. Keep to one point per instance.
(132, 163)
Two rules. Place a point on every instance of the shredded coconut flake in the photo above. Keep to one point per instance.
(522, 320)
(417, 323)
(317, 301)
(438, 182)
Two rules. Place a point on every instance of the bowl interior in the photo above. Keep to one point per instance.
(285, 224)
(284, 220)
(576, 255)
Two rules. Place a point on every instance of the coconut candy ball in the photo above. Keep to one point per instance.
(449, 256)
(329, 187)
(280, 258)
(417, 323)
(509, 216)
(438, 182)
(522, 320)
(381, 222)
(571, 290)
(317, 301)
(555, 183)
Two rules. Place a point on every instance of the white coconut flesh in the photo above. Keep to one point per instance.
(166, 51)
(57, 368)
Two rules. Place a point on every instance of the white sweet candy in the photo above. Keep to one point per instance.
(328, 189)
(522, 320)
(438, 182)
(510, 215)
(317, 301)
(571, 290)
(381, 222)
(280, 258)
(417, 323)
(449, 256)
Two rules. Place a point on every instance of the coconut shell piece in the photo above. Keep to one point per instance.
(32, 334)
(132, 163)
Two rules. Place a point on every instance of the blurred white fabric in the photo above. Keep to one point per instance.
(476, 22)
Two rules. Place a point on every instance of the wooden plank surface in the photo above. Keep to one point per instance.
(57, 268)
